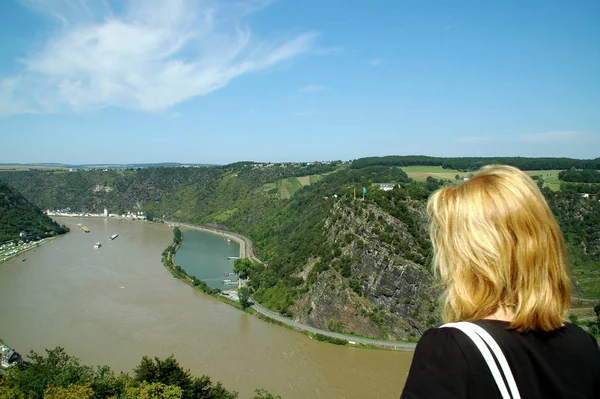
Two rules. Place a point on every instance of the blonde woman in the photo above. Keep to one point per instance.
(500, 257)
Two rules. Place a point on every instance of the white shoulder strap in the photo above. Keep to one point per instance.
(480, 338)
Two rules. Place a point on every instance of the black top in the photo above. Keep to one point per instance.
(564, 363)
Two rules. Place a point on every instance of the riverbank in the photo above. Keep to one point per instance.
(168, 259)
(246, 251)
(26, 247)
(246, 248)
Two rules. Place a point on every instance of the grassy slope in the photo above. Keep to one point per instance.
(420, 173)
(550, 177)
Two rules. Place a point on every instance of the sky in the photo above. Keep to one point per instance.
(215, 82)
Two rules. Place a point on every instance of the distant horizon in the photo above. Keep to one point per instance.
(179, 163)
(214, 81)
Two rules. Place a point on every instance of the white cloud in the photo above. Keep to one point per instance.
(375, 62)
(150, 57)
(312, 88)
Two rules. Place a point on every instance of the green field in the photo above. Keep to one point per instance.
(315, 178)
(550, 177)
(286, 188)
(421, 173)
(586, 281)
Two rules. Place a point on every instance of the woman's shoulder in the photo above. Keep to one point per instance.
(442, 342)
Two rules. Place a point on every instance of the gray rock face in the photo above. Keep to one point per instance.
(377, 283)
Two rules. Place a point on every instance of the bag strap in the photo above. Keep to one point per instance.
(484, 342)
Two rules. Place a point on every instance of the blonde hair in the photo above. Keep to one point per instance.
(497, 244)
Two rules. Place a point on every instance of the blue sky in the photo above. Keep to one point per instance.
(281, 80)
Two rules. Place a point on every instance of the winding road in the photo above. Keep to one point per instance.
(403, 346)
(246, 251)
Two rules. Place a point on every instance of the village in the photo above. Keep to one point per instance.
(106, 214)
(14, 248)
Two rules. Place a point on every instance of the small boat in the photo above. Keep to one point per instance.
(98, 245)
(23, 260)
(113, 237)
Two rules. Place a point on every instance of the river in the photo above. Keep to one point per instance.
(204, 256)
(114, 304)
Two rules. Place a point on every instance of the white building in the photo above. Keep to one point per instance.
(105, 212)
(386, 186)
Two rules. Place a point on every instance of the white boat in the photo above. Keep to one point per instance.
(113, 237)
(98, 245)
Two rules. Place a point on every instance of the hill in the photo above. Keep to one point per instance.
(18, 215)
(334, 260)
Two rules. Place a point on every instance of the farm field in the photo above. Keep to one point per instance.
(550, 177)
(286, 188)
(421, 173)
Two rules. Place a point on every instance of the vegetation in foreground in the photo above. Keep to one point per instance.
(57, 375)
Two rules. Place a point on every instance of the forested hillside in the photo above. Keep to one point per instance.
(332, 259)
(18, 215)
(474, 163)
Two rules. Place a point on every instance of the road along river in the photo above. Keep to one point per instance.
(114, 304)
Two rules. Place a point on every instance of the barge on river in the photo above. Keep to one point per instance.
(82, 227)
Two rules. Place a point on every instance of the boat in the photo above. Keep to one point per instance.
(23, 260)
(98, 245)
(113, 237)
(82, 227)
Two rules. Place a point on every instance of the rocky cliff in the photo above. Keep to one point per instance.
(377, 283)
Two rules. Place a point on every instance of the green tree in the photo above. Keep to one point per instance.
(169, 372)
(56, 369)
(155, 390)
(263, 394)
(242, 267)
(70, 392)
(573, 318)
(177, 237)
(244, 295)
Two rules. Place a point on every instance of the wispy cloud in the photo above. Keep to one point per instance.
(149, 57)
(312, 88)
(375, 62)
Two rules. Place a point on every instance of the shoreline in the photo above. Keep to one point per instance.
(35, 245)
(246, 250)
(351, 341)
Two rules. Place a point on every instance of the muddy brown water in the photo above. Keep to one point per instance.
(114, 304)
